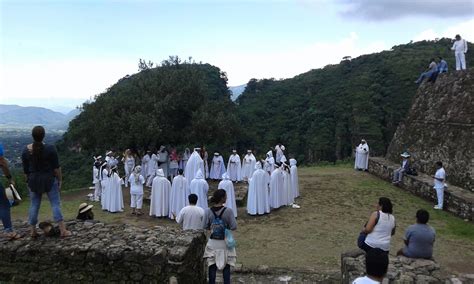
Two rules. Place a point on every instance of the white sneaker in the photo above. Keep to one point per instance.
(296, 206)
(437, 207)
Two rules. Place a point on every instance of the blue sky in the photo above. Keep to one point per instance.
(60, 53)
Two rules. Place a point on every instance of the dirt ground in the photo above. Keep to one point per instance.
(335, 203)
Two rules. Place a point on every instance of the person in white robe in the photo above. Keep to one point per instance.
(227, 185)
(295, 188)
(113, 192)
(152, 168)
(145, 160)
(179, 194)
(279, 152)
(217, 167)
(110, 159)
(194, 164)
(269, 165)
(200, 187)
(276, 188)
(248, 165)
(205, 158)
(128, 161)
(160, 195)
(460, 49)
(163, 160)
(184, 159)
(96, 178)
(288, 193)
(103, 179)
(362, 156)
(136, 191)
(258, 201)
(234, 168)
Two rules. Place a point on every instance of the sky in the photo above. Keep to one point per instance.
(57, 54)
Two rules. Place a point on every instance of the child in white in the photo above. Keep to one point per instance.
(136, 191)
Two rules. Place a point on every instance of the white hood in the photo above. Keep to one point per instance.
(293, 162)
(160, 173)
(199, 174)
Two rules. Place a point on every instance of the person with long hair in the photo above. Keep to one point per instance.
(380, 227)
(218, 254)
(43, 175)
(5, 214)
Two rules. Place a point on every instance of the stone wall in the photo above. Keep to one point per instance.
(440, 127)
(456, 200)
(106, 253)
(400, 270)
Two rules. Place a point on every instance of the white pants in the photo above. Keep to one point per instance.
(136, 201)
(460, 60)
(440, 195)
(97, 191)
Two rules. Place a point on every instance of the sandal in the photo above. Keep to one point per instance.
(13, 236)
(66, 235)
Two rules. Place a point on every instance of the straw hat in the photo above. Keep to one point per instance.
(84, 207)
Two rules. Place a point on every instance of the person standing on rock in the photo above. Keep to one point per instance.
(5, 214)
(43, 175)
(460, 48)
(439, 179)
(362, 156)
(219, 220)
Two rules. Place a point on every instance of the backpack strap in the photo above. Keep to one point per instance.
(222, 212)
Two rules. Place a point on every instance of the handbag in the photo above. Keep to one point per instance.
(229, 239)
(12, 195)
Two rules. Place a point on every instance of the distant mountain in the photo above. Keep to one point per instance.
(14, 116)
(237, 91)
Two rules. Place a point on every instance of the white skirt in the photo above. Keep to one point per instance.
(217, 253)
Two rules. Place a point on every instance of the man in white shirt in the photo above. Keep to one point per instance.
(439, 179)
(376, 266)
(191, 217)
(460, 48)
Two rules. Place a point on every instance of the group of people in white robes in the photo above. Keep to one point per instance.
(271, 191)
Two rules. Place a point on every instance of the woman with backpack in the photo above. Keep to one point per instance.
(378, 231)
(219, 252)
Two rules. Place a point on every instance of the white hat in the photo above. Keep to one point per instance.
(84, 207)
(216, 153)
(109, 153)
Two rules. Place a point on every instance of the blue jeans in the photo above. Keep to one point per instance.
(213, 272)
(5, 211)
(54, 200)
(425, 75)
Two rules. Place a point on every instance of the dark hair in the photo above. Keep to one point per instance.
(432, 59)
(440, 57)
(422, 216)
(192, 198)
(218, 196)
(38, 136)
(386, 205)
(376, 262)
(439, 163)
(458, 37)
(180, 171)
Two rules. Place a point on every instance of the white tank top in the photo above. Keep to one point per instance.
(382, 232)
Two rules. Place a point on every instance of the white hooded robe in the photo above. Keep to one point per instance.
(114, 196)
(194, 164)
(227, 185)
(179, 195)
(160, 195)
(295, 188)
(200, 187)
(276, 189)
(362, 157)
(258, 201)
(217, 167)
(269, 165)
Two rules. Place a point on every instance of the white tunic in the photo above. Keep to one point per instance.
(160, 195)
(191, 217)
(227, 185)
(234, 168)
(113, 192)
(145, 161)
(194, 164)
(295, 188)
(136, 184)
(269, 165)
(248, 166)
(200, 187)
(217, 167)
(362, 157)
(276, 189)
(179, 195)
(152, 167)
(258, 198)
(279, 152)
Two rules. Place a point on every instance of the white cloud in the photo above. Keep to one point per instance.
(465, 29)
(241, 67)
(60, 82)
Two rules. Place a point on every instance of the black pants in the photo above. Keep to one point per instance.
(225, 273)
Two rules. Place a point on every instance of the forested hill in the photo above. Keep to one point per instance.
(323, 114)
(176, 103)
